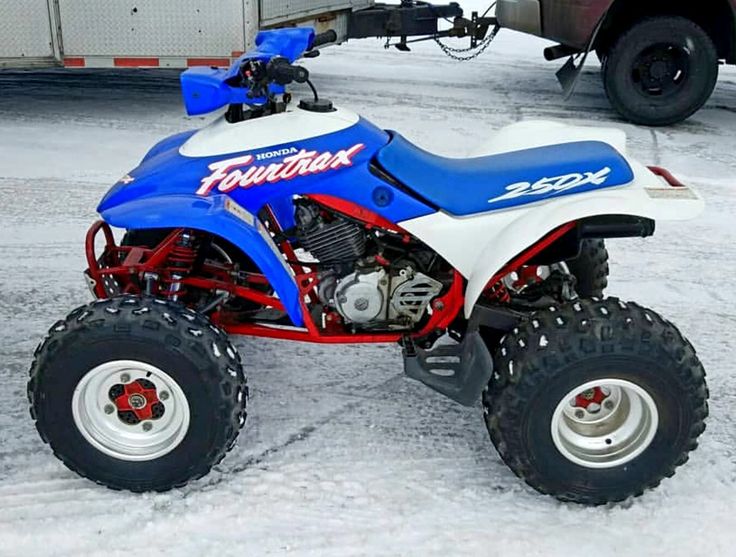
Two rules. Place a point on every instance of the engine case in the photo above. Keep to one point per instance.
(374, 296)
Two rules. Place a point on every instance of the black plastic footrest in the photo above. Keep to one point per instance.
(459, 371)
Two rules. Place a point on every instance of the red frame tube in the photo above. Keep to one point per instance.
(444, 311)
(355, 211)
(530, 252)
(140, 260)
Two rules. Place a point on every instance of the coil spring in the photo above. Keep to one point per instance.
(498, 292)
(179, 263)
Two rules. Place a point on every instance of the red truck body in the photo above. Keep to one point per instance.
(573, 22)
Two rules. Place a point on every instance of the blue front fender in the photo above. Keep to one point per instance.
(209, 214)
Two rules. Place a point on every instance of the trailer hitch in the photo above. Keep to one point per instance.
(420, 19)
(476, 28)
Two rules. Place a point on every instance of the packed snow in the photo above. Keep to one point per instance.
(341, 454)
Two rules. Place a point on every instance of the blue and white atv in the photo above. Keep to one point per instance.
(304, 221)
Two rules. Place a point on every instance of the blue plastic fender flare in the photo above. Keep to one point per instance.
(221, 216)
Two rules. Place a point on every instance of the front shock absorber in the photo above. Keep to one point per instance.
(179, 263)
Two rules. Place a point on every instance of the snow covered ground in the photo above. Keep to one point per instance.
(342, 455)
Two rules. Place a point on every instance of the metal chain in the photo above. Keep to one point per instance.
(456, 53)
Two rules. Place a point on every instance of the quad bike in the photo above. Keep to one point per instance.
(309, 223)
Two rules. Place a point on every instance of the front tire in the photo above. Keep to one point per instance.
(661, 71)
(137, 393)
(595, 401)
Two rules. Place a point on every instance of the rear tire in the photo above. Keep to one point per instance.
(590, 268)
(661, 71)
(137, 393)
(644, 378)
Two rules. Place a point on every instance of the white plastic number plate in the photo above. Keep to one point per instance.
(671, 193)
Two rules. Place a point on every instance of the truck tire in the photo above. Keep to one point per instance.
(595, 401)
(590, 268)
(137, 393)
(661, 71)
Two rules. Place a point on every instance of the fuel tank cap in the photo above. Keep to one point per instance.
(319, 105)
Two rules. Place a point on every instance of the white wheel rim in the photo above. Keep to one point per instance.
(96, 414)
(604, 423)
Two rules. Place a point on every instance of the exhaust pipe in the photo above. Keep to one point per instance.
(559, 51)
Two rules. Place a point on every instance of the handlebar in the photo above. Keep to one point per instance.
(255, 77)
(259, 76)
(282, 72)
(324, 38)
(279, 69)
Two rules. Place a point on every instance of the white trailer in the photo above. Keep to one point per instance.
(152, 33)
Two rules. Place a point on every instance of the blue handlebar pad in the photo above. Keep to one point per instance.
(207, 89)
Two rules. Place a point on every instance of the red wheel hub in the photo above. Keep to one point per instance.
(591, 396)
(527, 276)
(137, 401)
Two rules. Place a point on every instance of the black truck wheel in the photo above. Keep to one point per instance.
(595, 401)
(590, 268)
(660, 71)
(137, 393)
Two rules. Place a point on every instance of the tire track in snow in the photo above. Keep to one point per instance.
(299, 436)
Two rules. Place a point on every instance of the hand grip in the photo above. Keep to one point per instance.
(283, 73)
(324, 38)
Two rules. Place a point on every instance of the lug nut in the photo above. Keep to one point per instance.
(163, 395)
(594, 408)
(109, 409)
(147, 426)
(124, 377)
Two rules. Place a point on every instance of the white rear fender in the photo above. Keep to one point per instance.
(479, 246)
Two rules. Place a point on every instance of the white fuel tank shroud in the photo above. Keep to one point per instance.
(222, 138)
(479, 246)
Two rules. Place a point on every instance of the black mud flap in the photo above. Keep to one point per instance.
(568, 74)
(459, 371)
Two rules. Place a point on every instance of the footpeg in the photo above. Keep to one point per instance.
(459, 371)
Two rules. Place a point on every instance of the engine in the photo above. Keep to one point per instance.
(332, 243)
(390, 295)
